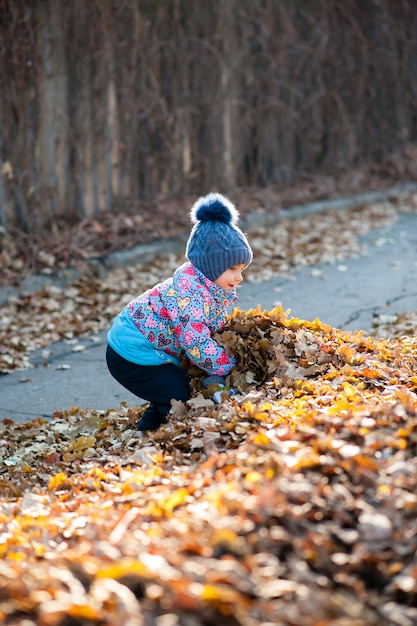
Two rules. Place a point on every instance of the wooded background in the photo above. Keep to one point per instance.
(106, 104)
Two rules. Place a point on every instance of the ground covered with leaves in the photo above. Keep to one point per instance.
(292, 502)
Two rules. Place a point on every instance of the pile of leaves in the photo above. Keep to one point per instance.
(293, 502)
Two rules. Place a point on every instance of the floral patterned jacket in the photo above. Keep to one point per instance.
(177, 315)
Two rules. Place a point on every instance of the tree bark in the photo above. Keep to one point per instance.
(53, 161)
(3, 169)
(229, 92)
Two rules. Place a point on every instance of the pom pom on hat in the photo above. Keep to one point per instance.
(214, 208)
(216, 243)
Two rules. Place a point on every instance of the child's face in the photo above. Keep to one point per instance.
(231, 277)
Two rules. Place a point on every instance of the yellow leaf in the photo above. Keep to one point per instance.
(253, 477)
(175, 499)
(350, 392)
(127, 567)
(222, 596)
(167, 505)
(261, 440)
(261, 417)
(82, 443)
(403, 433)
(308, 461)
(59, 480)
(98, 473)
(413, 381)
(347, 353)
(84, 612)
(224, 536)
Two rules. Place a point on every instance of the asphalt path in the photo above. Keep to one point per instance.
(346, 295)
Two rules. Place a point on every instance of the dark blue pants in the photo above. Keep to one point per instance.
(158, 384)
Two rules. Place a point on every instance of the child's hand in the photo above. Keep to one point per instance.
(217, 395)
(220, 383)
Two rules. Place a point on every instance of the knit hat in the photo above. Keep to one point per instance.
(216, 243)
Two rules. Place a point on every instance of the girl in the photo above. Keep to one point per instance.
(179, 315)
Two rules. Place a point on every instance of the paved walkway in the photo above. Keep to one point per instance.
(346, 296)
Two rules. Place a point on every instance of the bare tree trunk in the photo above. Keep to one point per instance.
(53, 114)
(112, 123)
(181, 132)
(3, 167)
(113, 116)
(86, 119)
(229, 91)
(132, 119)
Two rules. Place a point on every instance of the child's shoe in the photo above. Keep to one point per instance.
(151, 419)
